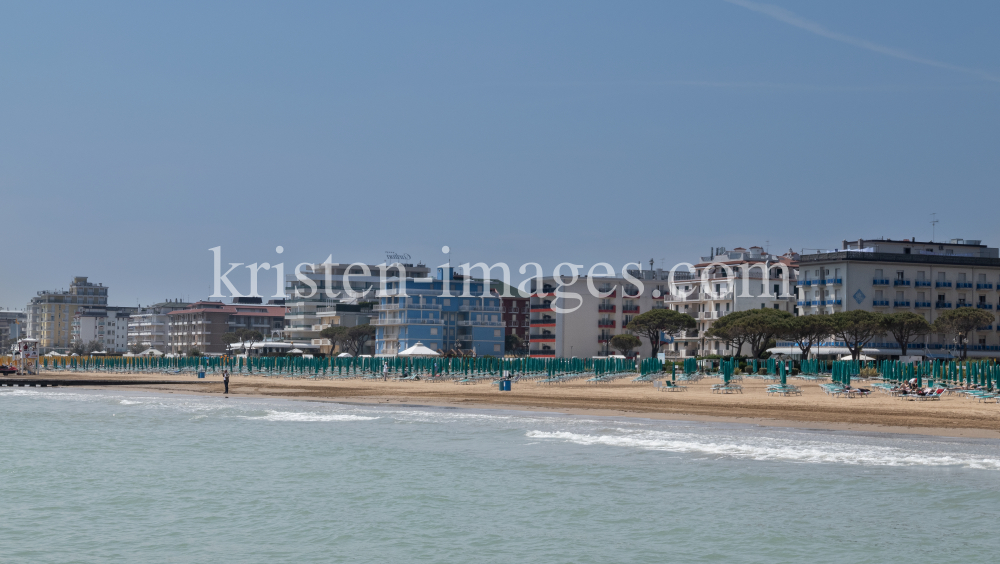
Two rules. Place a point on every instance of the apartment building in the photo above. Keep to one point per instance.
(106, 326)
(927, 278)
(202, 324)
(304, 318)
(50, 313)
(343, 315)
(727, 281)
(12, 324)
(438, 314)
(587, 330)
(148, 325)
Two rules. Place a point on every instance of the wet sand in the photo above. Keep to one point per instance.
(951, 416)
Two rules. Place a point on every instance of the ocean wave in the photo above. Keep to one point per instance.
(273, 415)
(776, 449)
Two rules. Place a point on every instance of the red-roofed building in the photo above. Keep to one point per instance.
(202, 325)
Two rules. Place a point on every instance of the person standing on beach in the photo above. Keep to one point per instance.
(385, 371)
(225, 380)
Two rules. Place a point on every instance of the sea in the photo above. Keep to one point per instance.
(130, 476)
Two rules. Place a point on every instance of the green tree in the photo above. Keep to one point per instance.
(514, 343)
(807, 331)
(336, 335)
(92, 347)
(658, 322)
(755, 327)
(194, 352)
(78, 348)
(961, 322)
(856, 328)
(906, 326)
(357, 336)
(247, 338)
(136, 348)
(625, 343)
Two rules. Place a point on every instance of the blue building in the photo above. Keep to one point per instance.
(440, 314)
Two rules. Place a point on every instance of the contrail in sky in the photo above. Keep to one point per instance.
(790, 18)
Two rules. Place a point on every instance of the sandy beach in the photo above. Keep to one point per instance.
(951, 416)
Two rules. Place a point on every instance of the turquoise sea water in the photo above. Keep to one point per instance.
(96, 476)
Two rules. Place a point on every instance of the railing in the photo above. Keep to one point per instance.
(832, 302)
(605, 309)
(545, 321)
(394, 307)
(921, 304)
(541, 353)
(963, 284)
(880, 303)
(880, 282)
(630, 309)
(942, 305)
(984, 306)
(900, 282)
(605, 323)
(942, 284)
(904, 303)
(468, 323)
(922, 283)
(834, 281)
(406, 321)
(985, 328)
(984, 286)
(542, 337)
(962, 304)
(478, 308)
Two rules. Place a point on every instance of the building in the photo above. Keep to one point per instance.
(926, 278)
(202, 324)
(728, 281)
(12, 324)
(148, 325)
(343, 315)
(310, 310)
(441, 314)
(108, 327)
(587, 329)
(50, 313)
(514, 311)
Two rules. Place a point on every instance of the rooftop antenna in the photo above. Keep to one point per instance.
(934, 222)
(767, 249)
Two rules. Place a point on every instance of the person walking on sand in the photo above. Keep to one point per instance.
(385, 371)
(225, 381)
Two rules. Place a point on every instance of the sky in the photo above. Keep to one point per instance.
(136, 136)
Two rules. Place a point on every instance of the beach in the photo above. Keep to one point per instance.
(953, 415)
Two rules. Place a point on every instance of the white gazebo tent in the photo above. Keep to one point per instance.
(345, 355)
(419, 350)
(151, 352)
(860, 357)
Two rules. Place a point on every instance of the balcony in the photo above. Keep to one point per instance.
(605, 309)
(962, 304)
(880, 282)
(542, 353)
(833, 281)
(604, 338)
(942, 305)
(921, 304)
(630, 309)
(478, 308)
(605, 322)
(984, 306)
(395, 307)
(985, 328)
(984, 286)
(543, 337)
(900, 282)
(471, 323)
(922, 283)
(942, 284)
(880, 303)
(963, 284)
(904, 303)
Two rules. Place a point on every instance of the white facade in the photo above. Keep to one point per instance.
(108, 327)
(925, 278)
(149, 326)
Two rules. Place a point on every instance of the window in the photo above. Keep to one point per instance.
(497, 348)
(899, 274)
(497, 332)
(878, 273)
(434, 330)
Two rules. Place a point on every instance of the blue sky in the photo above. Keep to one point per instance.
(135, 136)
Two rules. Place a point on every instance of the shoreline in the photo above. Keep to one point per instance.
(951, 417)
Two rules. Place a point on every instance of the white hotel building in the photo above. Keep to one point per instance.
(927, 278)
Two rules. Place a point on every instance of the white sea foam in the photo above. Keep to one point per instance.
(769, 448)
(273, 415)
